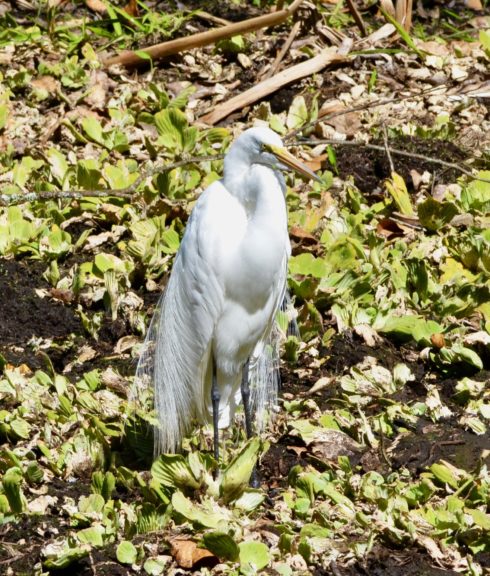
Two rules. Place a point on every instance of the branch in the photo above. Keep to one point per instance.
(270, 85)
(282, 52)
(130, 58)
(357, 17)
(128, 192)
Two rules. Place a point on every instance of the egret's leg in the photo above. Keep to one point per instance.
(215, 397)
(245, 388)
(246, 400)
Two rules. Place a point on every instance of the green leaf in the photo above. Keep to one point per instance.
(253, 557)
(237, 474)
(94, 535)
(59, 555)
(476, 195)
(11, 482)
(480, 518)
(397, 188)
(20, 427)
(155, 566)
(171, 124)
(406, 327)
(4, 112)
(93, 503)
(444, 475)
(126, 553)
(59, 165)
(93, 129)
(433, 215)
(484, 38)
(173, 470)
(221, 545)
(307, 265)
(297, 114)
(208, 514)
(250, 500)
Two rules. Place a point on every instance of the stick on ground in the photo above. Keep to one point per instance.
(158, 51)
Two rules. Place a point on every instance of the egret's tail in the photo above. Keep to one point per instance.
(169, 365)
(265, 378)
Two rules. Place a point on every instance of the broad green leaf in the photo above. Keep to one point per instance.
(173, 470)
(476, 195)
(444, 475)
(171, 124)
(207, 514)
(250, 500)
(94, 535)
(237, 474)
(433, 215)
(93, 129)
(61, 554)
(221, 545)
(59, 164)
(253, 557)
(93, 503)
(406, 327)
(126, 552)
(297, 114)
(4, 112)
(484, 38)
(480, 518)
(307, 265)
(155, 566)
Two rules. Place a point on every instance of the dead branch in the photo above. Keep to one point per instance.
(130, 58)
(128, 192)
(282, 52)
(387, 149)
(270, 85)
(357, 17)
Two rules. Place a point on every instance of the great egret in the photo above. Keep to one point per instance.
(214, 321)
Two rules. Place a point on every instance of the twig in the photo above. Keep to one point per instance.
(270, 85)
(129, 58)
(396, 152)
(387, 149)
(282, 52)
(128, 192)
(357, 17)
(211, 18)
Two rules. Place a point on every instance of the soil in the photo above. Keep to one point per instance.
(370, 168)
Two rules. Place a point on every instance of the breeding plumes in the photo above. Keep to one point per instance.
(213, 331)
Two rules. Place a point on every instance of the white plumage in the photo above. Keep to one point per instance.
(226, 285)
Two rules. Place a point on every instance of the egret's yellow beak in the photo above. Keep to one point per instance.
(291, 162)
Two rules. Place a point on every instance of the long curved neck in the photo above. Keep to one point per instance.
(252, 183)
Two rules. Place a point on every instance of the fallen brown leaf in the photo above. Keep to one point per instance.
(187, 554)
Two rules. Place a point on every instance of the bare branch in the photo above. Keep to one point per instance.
(130, 58)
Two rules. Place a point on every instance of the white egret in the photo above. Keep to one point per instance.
(213, 322)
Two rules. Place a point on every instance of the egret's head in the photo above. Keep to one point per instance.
(262, 146)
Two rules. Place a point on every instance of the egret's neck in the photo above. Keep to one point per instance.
(256, 186)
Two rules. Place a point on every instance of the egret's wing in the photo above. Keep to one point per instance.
(177, 345)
